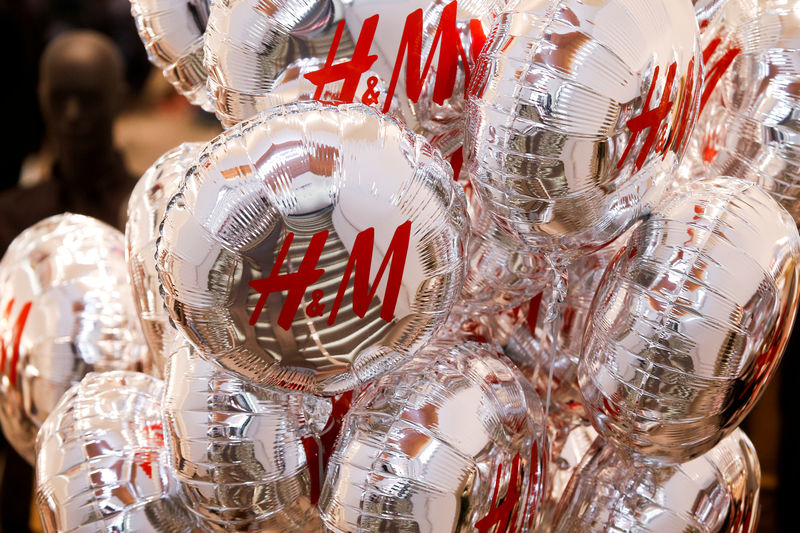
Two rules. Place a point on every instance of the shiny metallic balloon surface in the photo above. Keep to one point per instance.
(499, 275)
(526, 337)
(101, 463)
(749, 125)
(577, 113)
(146, 208)
(714, 493)
(250, 43)
(65, 310)
(251, 47)
(453, 441)
(691, 319)
(235, 449)
(172, 33)
(571, 435)
(270, 255)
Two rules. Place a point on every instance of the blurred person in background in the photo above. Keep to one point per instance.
(26, 26)
(81, 91)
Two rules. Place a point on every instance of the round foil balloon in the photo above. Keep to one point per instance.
(172, 33)
(363, 51)
(453, 441)
(313, 248)
(714, 493)
(236, 450)
(577, 112)
(65, 310)
(691, 319)
(101, 463)
(748, 127)
(146, 208)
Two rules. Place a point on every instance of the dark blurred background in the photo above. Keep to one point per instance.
(155, 119)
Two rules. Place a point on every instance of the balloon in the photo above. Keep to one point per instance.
(747, 127)
(691, 319)
(101, 463)
(577, 112)
(146, 208)
(236, 450)
(715, 492)
(366, 51)
(66, 311)
(313, 248)
(453, 441)
(172, 33)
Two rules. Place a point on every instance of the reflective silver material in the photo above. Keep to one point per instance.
(269, 256)
(691, 319)
(250, 43)
(570, 436)
(499, 275)
(101, 464)
(172, 33)
(65, 310)
(749, 128)
(146, 208)
(526, 336)
(236, 450)
(714, 493)
(453, 441)
(577, 112)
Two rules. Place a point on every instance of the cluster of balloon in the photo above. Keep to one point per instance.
(353, 344)
(101, 462)
(267, 253)
(746, 126)
(146, 208)
(66, 311)
(454, 441)
(691, 319)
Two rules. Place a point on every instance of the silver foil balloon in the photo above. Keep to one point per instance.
(146, 208)
(366, 51)
(236, 450)
(313, 248)
(172, 33)
(453, 441)
(691, 319)
(65, 310)
(251, 43)
(715, 493)
(577, 112)
(101, 463)
(749, 125)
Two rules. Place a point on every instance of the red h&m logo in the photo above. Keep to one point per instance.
(358, 266)
(446, 40)
(503, 514)
(13, 343)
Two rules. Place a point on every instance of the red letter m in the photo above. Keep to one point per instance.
(449, 53)
(361, 262)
